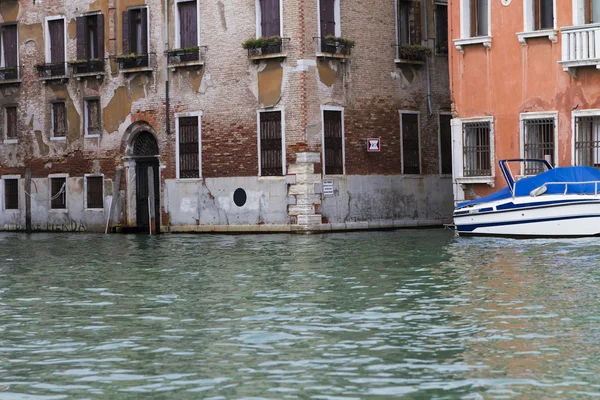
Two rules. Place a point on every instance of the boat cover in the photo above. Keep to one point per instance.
(561, 174)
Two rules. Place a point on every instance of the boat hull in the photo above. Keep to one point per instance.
(554, 218)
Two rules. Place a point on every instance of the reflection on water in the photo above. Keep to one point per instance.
(419, 314)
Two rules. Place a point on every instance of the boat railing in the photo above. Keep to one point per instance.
(542, 189)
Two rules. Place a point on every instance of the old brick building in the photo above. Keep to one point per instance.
(138, 113)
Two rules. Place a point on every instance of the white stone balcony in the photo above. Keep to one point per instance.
(580, 47)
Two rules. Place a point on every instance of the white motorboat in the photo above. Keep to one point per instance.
(560, 202)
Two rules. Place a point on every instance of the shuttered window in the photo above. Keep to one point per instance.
(409, 22)
(333, 146)
(188, 24)
(271, 151)
(92, 117)
(135, 31)
(189, 157)
(10, 114)
(445, 144)
(56, 29)
(410, 144)
(11, 194)
(9, 45)
(538, 143)
(270, 18)
(58, 193)
(90, 37)
(59, 119)
(477, 149)
(587, 141)
(95, 191)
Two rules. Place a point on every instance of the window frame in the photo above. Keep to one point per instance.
(458, 152)
(197, 114)
(259, 18)
(2, 47)
(466, 38)
(85, 191)
(8, 140)
(281, 110)
(332, 108)
(48, 54)
(418, 113)
(439, 123)
(442, 3)
(86, 115)
(52, 136)
(523, 117)
(594, 112)
(130, 27)
(336, 14)
(66, 178)
(529, 28)
(3, 197)
(178, 22)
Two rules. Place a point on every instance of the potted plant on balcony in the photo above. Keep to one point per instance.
(413, 52)
(337, 45)
(263, 46)
(132, 60)
(183, 55)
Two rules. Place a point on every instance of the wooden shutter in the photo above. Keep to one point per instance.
(100, 36)
(95, 198)
(334, 160)
(9, 34)
(125, 41)
(57, 40)
(11, 194)
(144, 18)
(189, 165)
(327, 17)
(270, 18)
(188, 24)
(270, 144)
(81, 38)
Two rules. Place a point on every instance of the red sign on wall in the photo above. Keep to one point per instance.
(374, 144)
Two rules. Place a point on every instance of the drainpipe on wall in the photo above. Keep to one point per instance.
(167, 102)
(427, 59)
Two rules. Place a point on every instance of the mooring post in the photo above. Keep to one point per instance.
(28, 200)
(150, 196)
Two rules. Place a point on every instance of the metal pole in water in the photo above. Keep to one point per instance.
(150, 196)
(28, 200)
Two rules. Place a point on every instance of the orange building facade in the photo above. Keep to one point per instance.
(525, 82)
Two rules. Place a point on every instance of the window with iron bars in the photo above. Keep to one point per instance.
(477, 149)
(189, 153)
(538, 143)
(333, 146)
(11, 194)
(410, 144)
(587, 141)
(95, 191)
(58, 199)
(271, 163)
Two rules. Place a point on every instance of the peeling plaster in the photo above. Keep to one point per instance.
(196, 79)
(43, 147)
(327, 74)
(9, 10)
(206, 83)
(119, 107)
(269, 83)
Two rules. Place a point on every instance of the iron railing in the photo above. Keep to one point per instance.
(587, 141)
(270, 144)
(133, 61)
(52, 70)
(10, 73)
(80, 67)
(411, 52)
(271, 47)
(334, 155)
(333, 46)
(538, 143)
(188, 55)
(476, 149)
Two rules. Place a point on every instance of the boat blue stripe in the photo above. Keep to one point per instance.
(510, 207)
(472, 227)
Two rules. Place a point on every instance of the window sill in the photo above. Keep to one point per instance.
(59, 210)
(58, 139)
(188, 64)
(551, 34)
(91, 136)
(341, 57)
(189, 180)
(268, 56)
(486, 180)
(136, 70)
(10, 81)
(12, 210)
(11, 141)
(486, 41)
(271, 178)
(400, 61)
(62, 78)
(95, 209)
(97, 75)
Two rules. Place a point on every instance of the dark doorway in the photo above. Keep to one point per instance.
(145, 151)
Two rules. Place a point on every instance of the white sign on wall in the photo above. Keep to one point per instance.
(328, 188)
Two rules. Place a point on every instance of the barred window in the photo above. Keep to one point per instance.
(189, 157)
(11, 194)
(95, 191)
(92, 117)
(334, 156)
(477, 149)
(445, 144)
(58, 190)
(441, 28)
(271, 152)
(538, 143)
(410, 144)
(59, 119)
(587, 141)
(11, 122)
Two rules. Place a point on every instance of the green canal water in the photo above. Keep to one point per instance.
(416, 314)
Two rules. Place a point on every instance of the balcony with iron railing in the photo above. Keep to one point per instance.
(192, 57)
(132, 63)
(580, 47)
(265, 48)
(84, 68)
(414, 54)
(52, 71)
(333, 47)
(9, 75)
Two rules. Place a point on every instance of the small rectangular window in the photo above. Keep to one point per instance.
(544, 14)
(189, 157)
(10, 114)
(271, 163)
(95, 191)
(9, 59)
(59, 119)
(479, 17)
(441, 28)
(538, 143)
(587, 141)
(11, 194)
(409, 22)
(476, 149)
(92, 117)
(445, 144)
(333, 146)
(410, 144)
(56, 40)
(58, 193)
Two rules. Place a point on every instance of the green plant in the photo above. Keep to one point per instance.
(130, 56)
(414, 51)
(339, 41)
(260, 42)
